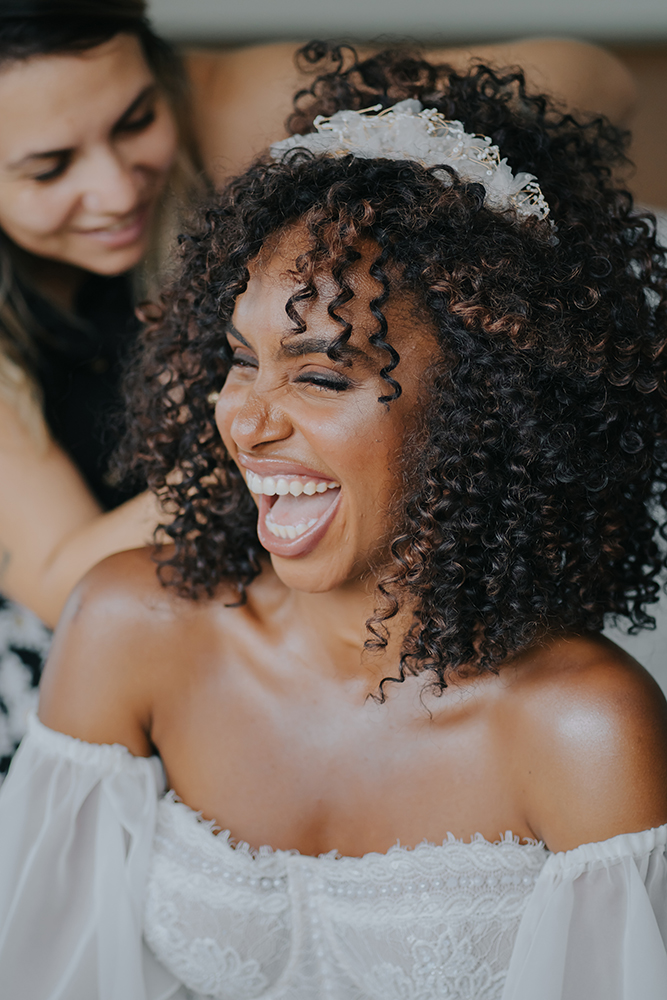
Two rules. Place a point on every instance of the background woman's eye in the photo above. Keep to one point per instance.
(138, 124)
(59, 168)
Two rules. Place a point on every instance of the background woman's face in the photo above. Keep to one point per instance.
(320, 454)
(86, 141)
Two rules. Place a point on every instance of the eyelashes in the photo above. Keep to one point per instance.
(60, 166)
(137, 124)
(338, 384)
(63, 160)
(333, 383)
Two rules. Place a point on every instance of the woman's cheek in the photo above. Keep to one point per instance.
(156, 149)
(34, 213)
(229, 402)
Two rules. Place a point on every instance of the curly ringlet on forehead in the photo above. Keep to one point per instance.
(327, 258)
(534, 497)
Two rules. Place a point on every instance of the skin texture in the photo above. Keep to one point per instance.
(263, 713)
(51, 528)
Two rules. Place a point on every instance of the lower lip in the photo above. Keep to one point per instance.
(118, 238)
(290, 548)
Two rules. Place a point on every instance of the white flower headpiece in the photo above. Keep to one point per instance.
(407, 131)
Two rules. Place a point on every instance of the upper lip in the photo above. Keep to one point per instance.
(120, 223)
(279, 467)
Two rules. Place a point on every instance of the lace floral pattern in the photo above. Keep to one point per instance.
(433, 923)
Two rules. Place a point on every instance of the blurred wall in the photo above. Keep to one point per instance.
(455, 20)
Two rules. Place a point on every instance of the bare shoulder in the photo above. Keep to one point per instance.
(591, 743)
(120, 632)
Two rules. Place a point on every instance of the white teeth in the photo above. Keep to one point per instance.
(281, 486)
(289, 530)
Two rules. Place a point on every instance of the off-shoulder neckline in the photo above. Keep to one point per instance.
(116, 756)
(215, 834)
(73, 747)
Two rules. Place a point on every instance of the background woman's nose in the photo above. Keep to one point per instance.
(110, 186)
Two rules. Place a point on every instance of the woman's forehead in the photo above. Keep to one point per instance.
(57, 101)
(281, 262)
(261, 310)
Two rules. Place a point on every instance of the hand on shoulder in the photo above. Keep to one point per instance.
(591, 744)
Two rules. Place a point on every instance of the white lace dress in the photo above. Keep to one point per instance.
(111, 890)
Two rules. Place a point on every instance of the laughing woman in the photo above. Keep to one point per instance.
(96, 149)
(406, 405)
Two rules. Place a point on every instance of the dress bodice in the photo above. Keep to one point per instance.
(110, 890)
(429, 923)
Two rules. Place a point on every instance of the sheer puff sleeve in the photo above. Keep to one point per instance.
(76, 830)
(595, 927)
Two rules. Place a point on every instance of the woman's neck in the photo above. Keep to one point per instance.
(334, 623)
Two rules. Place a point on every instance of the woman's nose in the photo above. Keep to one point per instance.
(110, 186)
(258, 421)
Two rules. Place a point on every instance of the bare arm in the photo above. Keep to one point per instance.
(52, 530)
(242, 96)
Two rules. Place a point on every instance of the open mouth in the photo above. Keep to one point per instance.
(294, 511)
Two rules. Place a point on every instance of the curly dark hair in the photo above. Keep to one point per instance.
(535, 501)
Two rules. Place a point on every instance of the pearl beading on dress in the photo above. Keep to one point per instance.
(236, 924)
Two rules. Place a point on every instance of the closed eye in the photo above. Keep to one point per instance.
(61, 162)
(140, 114)
(243, 360)
(335, 384)
(136, 124)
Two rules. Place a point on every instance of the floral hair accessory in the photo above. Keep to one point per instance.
(407, 131)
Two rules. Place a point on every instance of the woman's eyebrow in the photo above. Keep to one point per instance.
(147, 91)
(231, 331)
(296, 346)
(47, 154)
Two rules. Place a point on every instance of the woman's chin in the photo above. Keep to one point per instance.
(312, 575)
(108, 263)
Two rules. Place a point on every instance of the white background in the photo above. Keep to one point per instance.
(234, 20)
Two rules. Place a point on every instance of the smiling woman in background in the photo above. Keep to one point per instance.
(95, 154)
